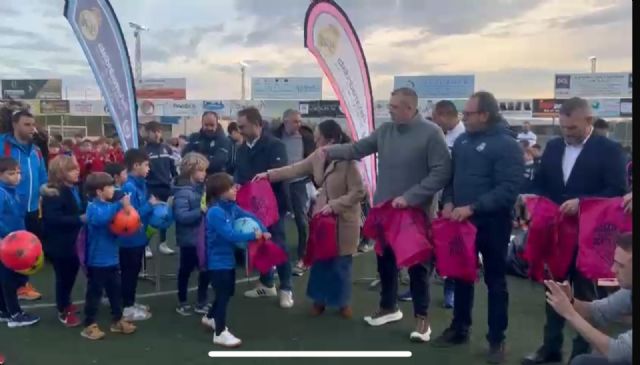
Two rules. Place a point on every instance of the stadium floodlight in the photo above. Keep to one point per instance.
(137, 29)
(243, 70)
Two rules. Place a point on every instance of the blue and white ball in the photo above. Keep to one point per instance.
(246, 225)
(161, 216)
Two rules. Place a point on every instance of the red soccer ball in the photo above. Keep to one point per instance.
(20, 250)
(126, 222)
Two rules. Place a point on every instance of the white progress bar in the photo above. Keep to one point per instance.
(310, 354)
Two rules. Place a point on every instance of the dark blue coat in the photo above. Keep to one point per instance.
(61, 211)
(268, 153)
(187, 212)
(598, 171)
(216, 148)
(488, 171)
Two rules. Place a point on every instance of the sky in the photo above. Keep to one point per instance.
(514, 47)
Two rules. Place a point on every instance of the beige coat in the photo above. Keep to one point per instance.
(340, 186)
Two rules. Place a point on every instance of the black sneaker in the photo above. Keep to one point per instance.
(496, 354)
(201, 308)
(22, 319)
(184, 310)
(451, 337)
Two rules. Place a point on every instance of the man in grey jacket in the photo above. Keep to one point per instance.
(583, 316)
(413, 165)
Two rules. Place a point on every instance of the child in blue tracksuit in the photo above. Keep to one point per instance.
(132, 248)
(11, 220)
(188, 213)
(102, 257)
(119, 174)
(222, 239)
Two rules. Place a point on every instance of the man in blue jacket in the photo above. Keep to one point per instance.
(578, 165)
(20, 146)
(211, 142)
(261, 152)
(488, 170)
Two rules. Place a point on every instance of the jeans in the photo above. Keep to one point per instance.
(298, 195)
(492, 240)
(584, 290)
(418, 283)
(66, 270)
(284, 270)
(9, 283)
(223, 283)
(130, 266)
(188, 263)
(162, 193)
(101, 279)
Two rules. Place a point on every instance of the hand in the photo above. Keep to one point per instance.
(447, 210)
(126, 200)
(153, 200)
(83, 218)
(266, 236)
(627, 201)
(399, 202)
(326, 210)
(261, 176)
(558, 297)
(258, 234)
(461, 213)
(570, 207)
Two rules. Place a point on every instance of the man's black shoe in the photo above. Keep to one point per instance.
(451, 337)
(542, 356)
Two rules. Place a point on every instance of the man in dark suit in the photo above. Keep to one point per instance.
(580, 164)
(259, 153)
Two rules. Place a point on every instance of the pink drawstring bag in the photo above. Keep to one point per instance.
(376, 224)
(258, 198)
(81, 248)
(601, 220)
(264, 256)
(407, 236)
(323, 239)
(455, 249)
(565, 243)
(201, 246)
(541, 234)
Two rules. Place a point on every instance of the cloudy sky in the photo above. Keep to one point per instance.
(514, 47)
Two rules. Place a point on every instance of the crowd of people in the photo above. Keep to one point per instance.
(475, 168)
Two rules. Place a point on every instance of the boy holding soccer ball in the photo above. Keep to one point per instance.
(222, 239)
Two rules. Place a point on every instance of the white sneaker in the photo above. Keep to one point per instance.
(422, 333)
(286, 299)
(133, 314)
(379, 318)
(208, 322)
(261, 291)
(142, 307)
(164, 249)
(147, 252)
(226, 339)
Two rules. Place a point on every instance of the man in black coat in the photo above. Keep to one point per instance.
(259, 153)
(211, 142)
(580, 164)
(299, 144)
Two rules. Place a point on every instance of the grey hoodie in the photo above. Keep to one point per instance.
(413, 160)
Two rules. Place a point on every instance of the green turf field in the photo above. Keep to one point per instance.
(168, 338)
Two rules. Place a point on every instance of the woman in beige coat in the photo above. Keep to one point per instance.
(340, 192)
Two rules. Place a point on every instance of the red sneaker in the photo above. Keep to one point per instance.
(69, 319)
(73, 308)
(1, 359)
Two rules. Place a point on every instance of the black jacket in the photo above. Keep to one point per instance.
(216, 148)
(488, 171)
(268, 153)
(162, 166)
(60, 221)
(233, 152)
(599, 171)
(308, 143)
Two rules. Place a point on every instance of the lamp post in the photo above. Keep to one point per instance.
(137, 29)
(593, 61)
(243, 71)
